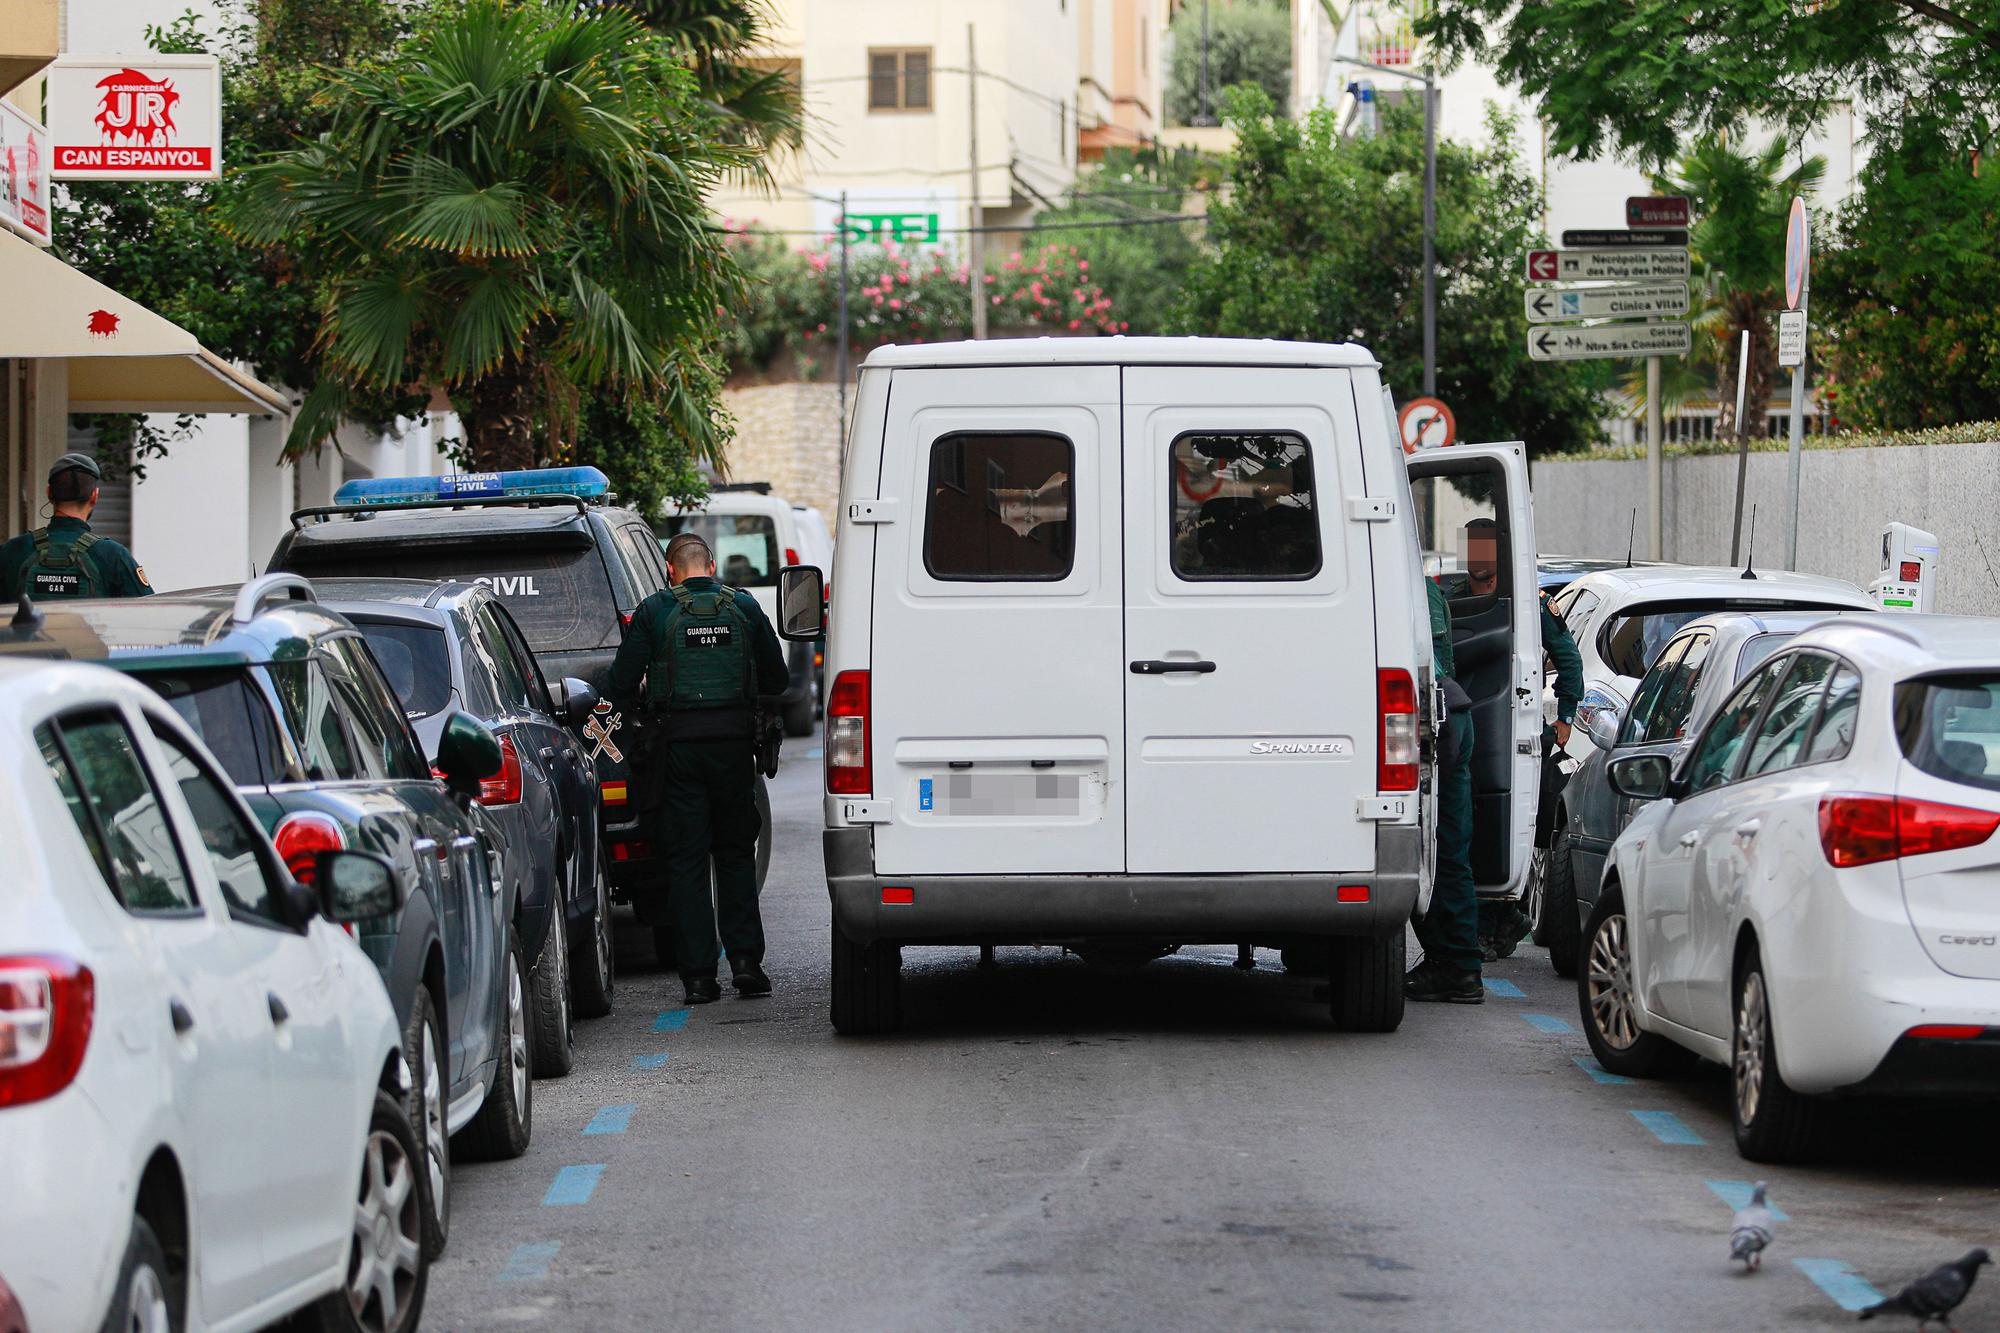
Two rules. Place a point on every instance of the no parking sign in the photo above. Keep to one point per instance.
(1426, 423)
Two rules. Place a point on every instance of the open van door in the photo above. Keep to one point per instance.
(1496, 640)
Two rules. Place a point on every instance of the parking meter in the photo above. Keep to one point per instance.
(1911, 568)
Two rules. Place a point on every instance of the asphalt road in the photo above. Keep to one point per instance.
(1187, 1146)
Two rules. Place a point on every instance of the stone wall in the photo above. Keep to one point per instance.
(1846, 496)
(788, 435)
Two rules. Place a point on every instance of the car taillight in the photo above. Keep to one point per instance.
(1947, 1032)
(47, 1005)
(1396, 748)
(1859, 830)
(301, 837)
(849, 770)
(504, 787)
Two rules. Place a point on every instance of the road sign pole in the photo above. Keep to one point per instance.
(1654, 465)
(1742, 446)
(1798, 283)
(1794, 457)
(1430, 236)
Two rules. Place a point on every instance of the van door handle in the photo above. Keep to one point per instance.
(1158, 667)
(279, 1014)
(1690, 838)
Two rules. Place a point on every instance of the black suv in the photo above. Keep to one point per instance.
(289, 698)
(447, 647)
(570, 564)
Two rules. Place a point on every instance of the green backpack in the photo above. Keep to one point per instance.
(703, 659)
(61, 572)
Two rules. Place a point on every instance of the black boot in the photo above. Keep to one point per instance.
(1443, 982)
(702, 990)
(748, 978)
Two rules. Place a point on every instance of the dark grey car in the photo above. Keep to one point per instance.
(449, 647)
(1694, 671)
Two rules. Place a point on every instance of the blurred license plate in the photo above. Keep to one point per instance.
(1035, 794)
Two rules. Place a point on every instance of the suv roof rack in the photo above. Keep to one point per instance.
(756, 487)
(371, 508)
(251, 597)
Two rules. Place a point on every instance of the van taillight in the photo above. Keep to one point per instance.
(1859, 830)
(791, 556)
(504, 787)
(848, 762)
(1396, 737)
(300, 838)
(47, 1004)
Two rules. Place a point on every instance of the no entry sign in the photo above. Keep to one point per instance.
(1798, 256)
(136, 118)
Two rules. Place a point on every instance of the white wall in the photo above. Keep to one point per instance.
(191, 515)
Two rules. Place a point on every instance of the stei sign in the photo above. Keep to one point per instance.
(136, 118)
(1622, 239)
(24, 175)
(1607, 265)
(1590, 342)
(1659, 298)
(1657, 210)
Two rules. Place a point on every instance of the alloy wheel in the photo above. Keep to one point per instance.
(1748, 1062)
(435, 1146)
(146, 1303)
(517, 1033)
(1610, 984)
(1531, 891)
(601, 932)
(385, 1256)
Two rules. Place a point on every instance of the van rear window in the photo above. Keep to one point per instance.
(1243, 507)
(1001, 508)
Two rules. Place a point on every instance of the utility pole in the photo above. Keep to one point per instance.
(1655, 468)
(1204, 117)
(1742, 446)
(842, 358)
(1430, 236)
(975, 269)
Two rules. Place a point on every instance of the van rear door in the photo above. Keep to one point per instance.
(997, 666)
(1250, 679)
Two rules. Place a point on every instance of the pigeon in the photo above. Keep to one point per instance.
(1936, 1294)
(1751, 1230)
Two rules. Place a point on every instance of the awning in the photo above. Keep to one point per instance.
(122, 357)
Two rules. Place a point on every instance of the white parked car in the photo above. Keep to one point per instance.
(1621, 618)
(1812, 894)
(201, 1078)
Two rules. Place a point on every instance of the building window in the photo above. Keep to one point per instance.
(899, 80)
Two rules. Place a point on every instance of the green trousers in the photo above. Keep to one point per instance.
(708, 812)
(1450, 930)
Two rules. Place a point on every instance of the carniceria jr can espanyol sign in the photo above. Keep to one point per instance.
(135, 118)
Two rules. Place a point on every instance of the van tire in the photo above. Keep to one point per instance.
(867, 986)
(1366, 991)
(1558, 927)
(799, 717)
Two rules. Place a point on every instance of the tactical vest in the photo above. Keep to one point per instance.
(703, 655)
(61, 571)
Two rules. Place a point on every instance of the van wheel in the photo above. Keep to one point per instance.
(1609, 1004)
(1773, 1123)
(506, 1118)
(867, 986)
(548, 1013)
(1366, 989)
(799, 716)
(1557, 925)
(145, 1299)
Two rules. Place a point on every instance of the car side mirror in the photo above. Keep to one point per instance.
(574, 700)
(801, 603)
(1642, 777)
(1604, 728)
(354, 885)
(467, 753)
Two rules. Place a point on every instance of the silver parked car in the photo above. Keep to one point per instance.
(1687, 681)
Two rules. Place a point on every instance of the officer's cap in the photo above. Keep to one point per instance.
(76, 463)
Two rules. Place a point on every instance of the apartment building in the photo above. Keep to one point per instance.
(1121, 74)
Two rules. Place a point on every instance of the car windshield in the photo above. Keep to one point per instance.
(1949, 726)
(232, 717)
(745, 545)
(561, 599)
(417, 663)
(1632, 639)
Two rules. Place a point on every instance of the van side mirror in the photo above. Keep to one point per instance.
(574, 700)
(1642, 777)
(801, 603)
(467, 753)
(1604, 728)
(355, 885)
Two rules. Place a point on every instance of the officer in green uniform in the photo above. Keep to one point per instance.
(1449, 931)
(705, 652)
(66, 559)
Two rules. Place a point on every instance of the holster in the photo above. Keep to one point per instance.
(768, 734)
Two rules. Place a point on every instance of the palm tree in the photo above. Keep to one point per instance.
(759, 104)
(1741, 201)
(509, 208)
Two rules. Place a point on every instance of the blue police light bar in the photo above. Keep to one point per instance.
(585, 482)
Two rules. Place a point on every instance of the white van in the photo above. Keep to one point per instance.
(1131, 651)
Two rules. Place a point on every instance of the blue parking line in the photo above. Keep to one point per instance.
(530, 1261)
(673, 1020)
(1506, 990)
(610, 1120)
(573, 1184)
(815, 753)
(1669, 1128)
(1548, 1023)
(1736, 1193)
(1849, 1290)
(1598, 1073)
(650, 1061)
